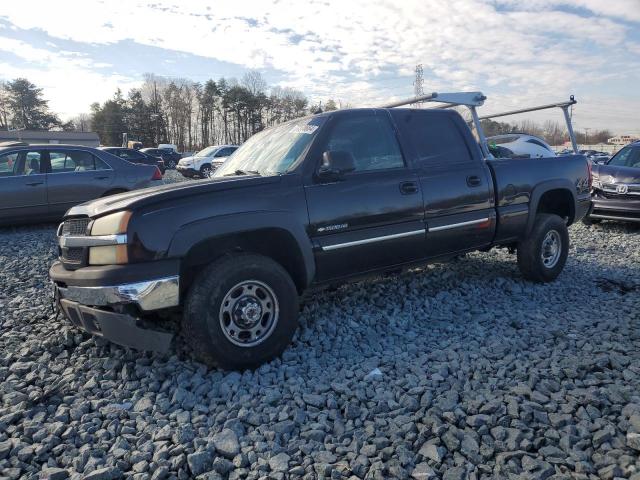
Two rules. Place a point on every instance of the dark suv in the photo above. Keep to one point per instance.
(616, 187)
(170, 157)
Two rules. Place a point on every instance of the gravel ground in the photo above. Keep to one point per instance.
(453, 371)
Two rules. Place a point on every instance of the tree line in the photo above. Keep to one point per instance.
(552, 132)
(193, 115)
(188, 114)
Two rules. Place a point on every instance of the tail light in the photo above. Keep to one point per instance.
(156, 174)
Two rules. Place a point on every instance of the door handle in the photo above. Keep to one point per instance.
(407, 188)
(33, 184)
(473, 181)
(101, 178)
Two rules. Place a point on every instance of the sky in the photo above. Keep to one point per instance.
(519, 53)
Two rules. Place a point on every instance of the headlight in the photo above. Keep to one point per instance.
(596, 183)
(113, 224)
(108, 255)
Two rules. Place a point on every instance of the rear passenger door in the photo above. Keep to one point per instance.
(456, 183)
(75, 176)
(23, 185)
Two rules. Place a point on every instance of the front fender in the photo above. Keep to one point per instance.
(238, 223)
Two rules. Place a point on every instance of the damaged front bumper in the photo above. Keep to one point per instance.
(94, 302)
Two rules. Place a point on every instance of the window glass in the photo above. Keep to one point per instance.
(9, 164)
(536, 142)
(627, 157)
(370, 139)
(71, 161)
(225, 152)
(274, 150)
(435, 138)
(131, 155)
(207, 152)
(31, 164)
(100, 164)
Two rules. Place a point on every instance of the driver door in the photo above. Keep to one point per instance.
(372, 217)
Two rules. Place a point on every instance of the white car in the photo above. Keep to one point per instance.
(521, 145)
(205, 162)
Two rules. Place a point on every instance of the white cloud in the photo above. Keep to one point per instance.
(526, 46)
(70, 76)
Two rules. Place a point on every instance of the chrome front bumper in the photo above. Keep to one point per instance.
(148, 295)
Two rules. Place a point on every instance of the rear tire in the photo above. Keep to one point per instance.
(240, 312)
(171, 164)
(543, 254)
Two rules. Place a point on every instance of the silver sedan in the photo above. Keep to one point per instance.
(41, 182)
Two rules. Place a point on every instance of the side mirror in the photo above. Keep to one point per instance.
(335, 164)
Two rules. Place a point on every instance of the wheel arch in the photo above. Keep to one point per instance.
(554, 197)
(286, 244)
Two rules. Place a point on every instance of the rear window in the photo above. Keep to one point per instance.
(502, 139)
(435, 138)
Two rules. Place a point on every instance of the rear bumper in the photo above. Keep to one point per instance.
(95, 299)
(626, 210)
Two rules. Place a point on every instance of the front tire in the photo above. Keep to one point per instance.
(171, 164)
(542, 256)
(205, 171)
(240, 312)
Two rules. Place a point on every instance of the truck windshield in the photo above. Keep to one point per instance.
(272, 151)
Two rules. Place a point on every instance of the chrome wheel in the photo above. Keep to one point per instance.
(249, 313)
(551, 249)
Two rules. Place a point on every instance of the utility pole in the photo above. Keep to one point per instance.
(418, 83)
(586, 135)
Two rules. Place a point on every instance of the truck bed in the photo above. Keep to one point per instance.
(519, 183)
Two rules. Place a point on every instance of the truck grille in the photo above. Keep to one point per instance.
(75, 226)
(74, 257)
(73, 254)
(610, 190)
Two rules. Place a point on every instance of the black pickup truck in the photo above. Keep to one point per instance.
(311, 202)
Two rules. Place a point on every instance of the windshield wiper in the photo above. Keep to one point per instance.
(242, 172)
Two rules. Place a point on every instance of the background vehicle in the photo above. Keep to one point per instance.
(41, 182)
(135, 156)
(522, 144)
(616, 187)
(595, 156)
(169, 156)
(168, 146)
(315, 201)
(206, 161)
(134, 144)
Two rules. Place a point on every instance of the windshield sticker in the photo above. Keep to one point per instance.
(308, 129)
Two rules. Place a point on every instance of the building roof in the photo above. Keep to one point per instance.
(40, 134)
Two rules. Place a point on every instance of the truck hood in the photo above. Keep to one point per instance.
(169, 193)
(616, 174)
